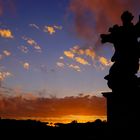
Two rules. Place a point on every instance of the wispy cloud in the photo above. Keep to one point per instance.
(75, 67)
(6, 52)
(24, 49)
(61, 57)
(4, 74)
(60, 64)
(6, 33)
(32, 43)
(34, 26)
(51, 29)
(57, 27)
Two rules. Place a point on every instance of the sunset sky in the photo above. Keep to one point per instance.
(51, 49)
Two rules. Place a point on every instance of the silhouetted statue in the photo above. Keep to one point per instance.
(122, 74)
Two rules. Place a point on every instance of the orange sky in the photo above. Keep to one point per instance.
(16, 107)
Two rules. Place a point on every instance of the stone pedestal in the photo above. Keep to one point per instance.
(122, 109)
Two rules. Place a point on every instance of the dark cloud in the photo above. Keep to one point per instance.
(31, 106)
(7, 6)
(95, 16)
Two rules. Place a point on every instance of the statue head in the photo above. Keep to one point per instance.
(127, 17)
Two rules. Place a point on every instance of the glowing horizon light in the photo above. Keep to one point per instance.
(66, 119)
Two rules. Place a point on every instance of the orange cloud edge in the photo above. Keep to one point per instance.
(83, 108)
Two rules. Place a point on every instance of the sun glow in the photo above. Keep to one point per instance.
(66, 119)
(82, 118)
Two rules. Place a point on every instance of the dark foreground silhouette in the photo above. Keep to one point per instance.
(97, 130)
(123, 103)
(74, 131)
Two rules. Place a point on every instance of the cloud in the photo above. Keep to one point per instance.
(4, 74)
(69, 54)
(93, 17)
(104, 61)
(81, 61)
(32, 43)
(88, 51)
(24, 49)
(75, 67)
(91, 53)
(29, 105)
(34, 26)
(58, 27)
(26, 65)
(6, 33)
(61, 57)
(60, 64)
(77, 50)
(6, 53)
(51, 29)
(82, 55)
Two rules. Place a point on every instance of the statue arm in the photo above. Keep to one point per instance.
(113, 31)
(106, 38)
